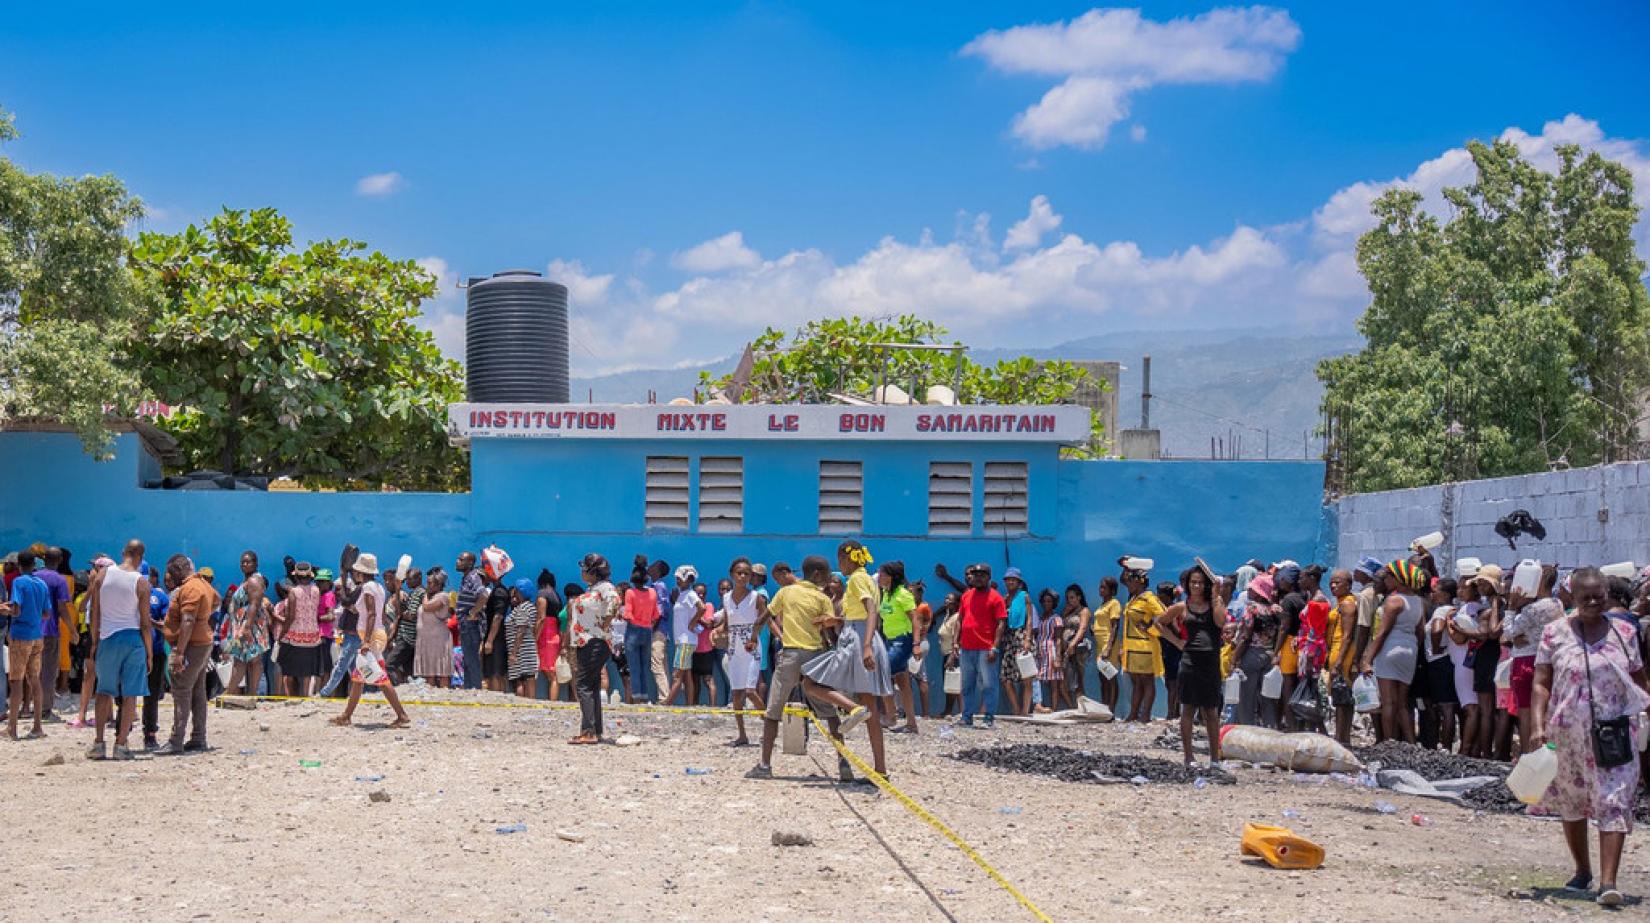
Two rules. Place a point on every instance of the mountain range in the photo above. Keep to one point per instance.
(1251, 389)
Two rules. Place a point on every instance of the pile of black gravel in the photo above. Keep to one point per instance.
(1070, 765)
(1432, 765)
(1492, 798)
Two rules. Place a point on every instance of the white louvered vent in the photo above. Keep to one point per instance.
(721, 493)
(950, 498)
(667, 492)
(841, 497)
(1005, 498)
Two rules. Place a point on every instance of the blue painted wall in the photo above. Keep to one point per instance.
(550, 501)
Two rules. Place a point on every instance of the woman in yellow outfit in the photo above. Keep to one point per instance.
(1108, 638)
(1342, 621)
(1142, 655)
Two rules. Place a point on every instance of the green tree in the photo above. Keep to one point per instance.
(301, 362)
(1514, 337)
(856, 355)
(68, 307)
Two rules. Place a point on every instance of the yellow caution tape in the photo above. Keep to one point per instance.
(876, 778)
(880, 781)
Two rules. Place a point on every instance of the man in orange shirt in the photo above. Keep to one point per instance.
(188, 628)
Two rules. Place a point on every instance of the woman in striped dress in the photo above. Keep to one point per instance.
(1046, 631)
(521, 632)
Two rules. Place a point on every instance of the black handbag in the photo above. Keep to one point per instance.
(1340, 692)
(1612, 737)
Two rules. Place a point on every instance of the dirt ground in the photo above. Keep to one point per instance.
(246, 832)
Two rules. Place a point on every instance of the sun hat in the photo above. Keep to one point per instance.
(366, 563)
(1368, 566)
(760, 570)
(323, 575)
(1489, 576)
(686, 574)
(1467, 568)
(304, 569)
(1013, 573)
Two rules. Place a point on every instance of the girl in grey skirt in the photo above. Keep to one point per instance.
(858, 665)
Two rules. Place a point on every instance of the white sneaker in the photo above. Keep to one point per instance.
(855, 719)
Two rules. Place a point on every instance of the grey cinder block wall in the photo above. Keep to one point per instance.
(1597, 515)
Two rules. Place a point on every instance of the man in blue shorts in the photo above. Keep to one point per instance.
(28, 626)
(124, 648)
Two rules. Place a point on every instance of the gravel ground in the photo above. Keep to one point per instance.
(1432, 765)
(1070, 765)
(247, 832)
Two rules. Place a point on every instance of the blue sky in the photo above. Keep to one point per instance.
(697, 170)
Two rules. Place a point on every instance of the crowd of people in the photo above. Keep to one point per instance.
(1475, 660)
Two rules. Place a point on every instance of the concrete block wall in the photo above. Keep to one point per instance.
(1596, 515)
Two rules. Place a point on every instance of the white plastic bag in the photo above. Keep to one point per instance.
(564, 670)
(1503, 674)
(1366, 694)
(953, 681)
(1108, 670)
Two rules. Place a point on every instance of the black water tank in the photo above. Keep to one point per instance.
(515, 339)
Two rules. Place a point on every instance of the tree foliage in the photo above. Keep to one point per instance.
(849, 355)
(67, 305)
(288, 361)
(1513, 337)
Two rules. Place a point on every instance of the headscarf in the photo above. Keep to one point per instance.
(1370, 566)
(1240, 580)
(1290, 574)
(1408, 574)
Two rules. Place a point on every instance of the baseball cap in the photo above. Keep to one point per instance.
(1467, 567)
(761, 570)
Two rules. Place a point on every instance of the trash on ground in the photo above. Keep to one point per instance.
(1281, 847)
(378, 796)
(571, 836)
(781, 838)
(511, 828)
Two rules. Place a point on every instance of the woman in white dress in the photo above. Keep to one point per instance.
(744, 612)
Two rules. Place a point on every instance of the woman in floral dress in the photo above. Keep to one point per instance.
(249, 636)
(1588, 668)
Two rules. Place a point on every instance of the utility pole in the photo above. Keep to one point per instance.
(1146, 392)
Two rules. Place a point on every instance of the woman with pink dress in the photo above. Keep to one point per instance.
(1588, 675)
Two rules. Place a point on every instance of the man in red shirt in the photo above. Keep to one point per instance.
(980, 634)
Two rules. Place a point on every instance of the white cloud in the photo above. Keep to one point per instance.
(717, 254)
(443, 315)
(583, 289)
(1106, 55)
(378, 185)
(1078, 113)
(1043, 283)
(1030, 230)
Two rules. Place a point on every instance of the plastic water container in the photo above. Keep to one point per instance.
(1234, 685)
(1527, 576)
(953, 681)
(1026, 663)
(1428, 541)
(1366, 694)
(1533, 773)
(1108, 670)
(1623, 569)
(1271, 685)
